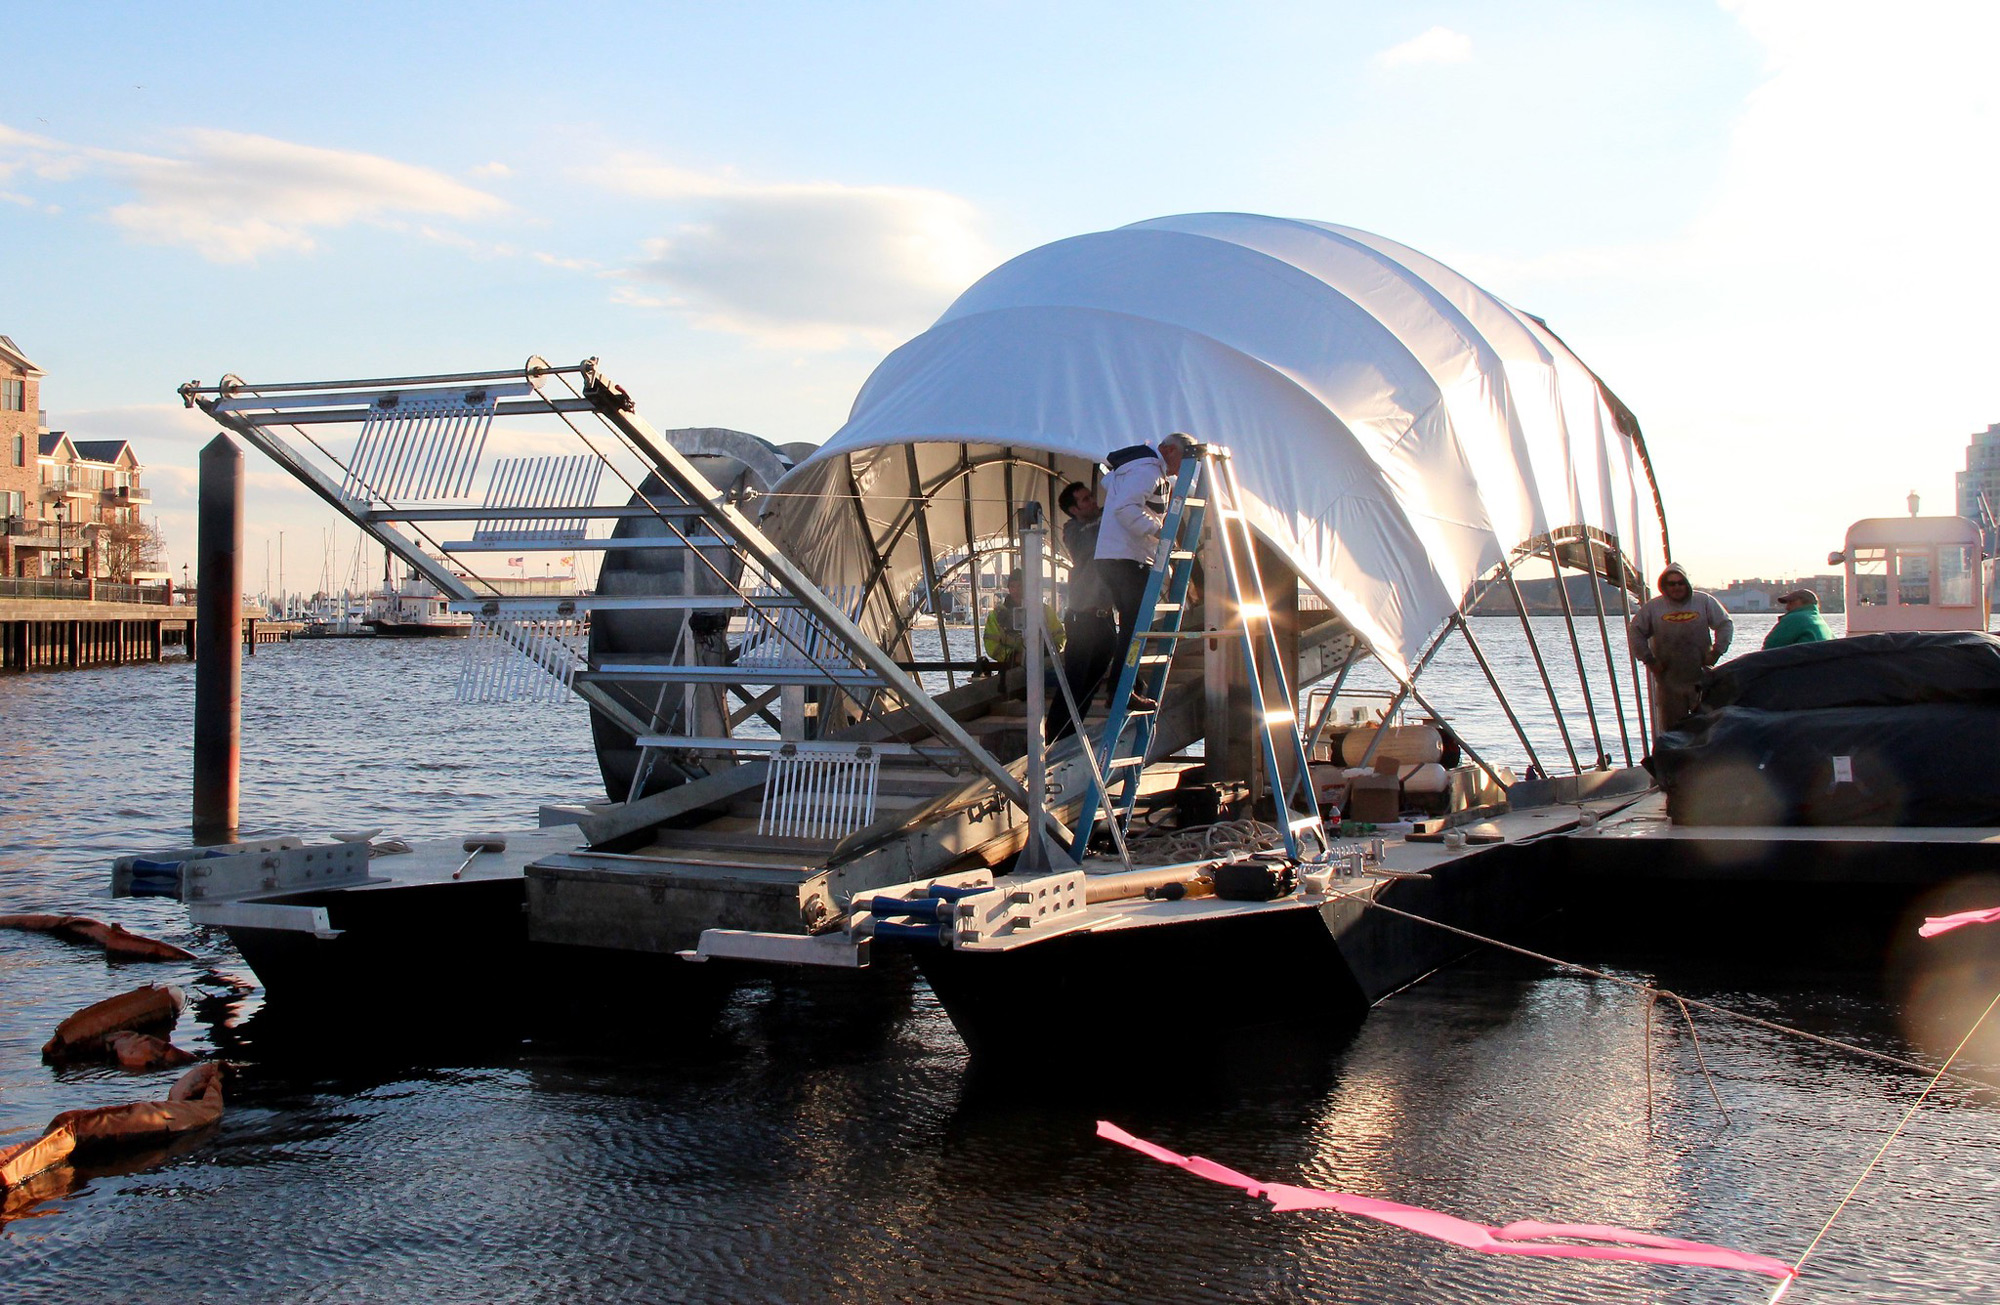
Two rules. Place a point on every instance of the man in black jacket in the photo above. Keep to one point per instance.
(1092, 633)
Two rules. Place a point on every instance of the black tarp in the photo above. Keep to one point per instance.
(1879, 729)
(1869, 670)
(1922, 764)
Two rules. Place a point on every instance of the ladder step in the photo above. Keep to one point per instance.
(1305, 822)
(1117, 763)
(1156, 659)
(1181, 555)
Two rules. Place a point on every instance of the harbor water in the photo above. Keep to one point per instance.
(823, 1142)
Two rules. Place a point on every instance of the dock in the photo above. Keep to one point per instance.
(46, 634)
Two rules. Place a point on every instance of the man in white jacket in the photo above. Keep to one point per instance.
(1135, 505)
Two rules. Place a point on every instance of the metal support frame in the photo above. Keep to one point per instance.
(1604, 636)
(226, 404)
(922, 497)
(1042, 853)
(971, 553)
(1275, 703)
(1576, 651)
(1464, 747)
(1640, 685)
(929, 560)
(1479, 655)
(1353, 660)
(616, 407)
(1541, 667)
(1406, 686)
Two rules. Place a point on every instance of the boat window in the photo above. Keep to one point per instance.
(1871, 577)
(1913, 577)
(1954, 575)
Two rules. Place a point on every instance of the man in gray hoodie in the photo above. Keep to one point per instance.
(1678, 635)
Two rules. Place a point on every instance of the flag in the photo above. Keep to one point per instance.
(516, 561)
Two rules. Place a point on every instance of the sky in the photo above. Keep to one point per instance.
(1768, 225)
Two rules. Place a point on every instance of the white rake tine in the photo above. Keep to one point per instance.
(441, 474)
(433, 431)
(432, 450)
(446, 474)
(391, 472)
(367, 475)
(479, 443)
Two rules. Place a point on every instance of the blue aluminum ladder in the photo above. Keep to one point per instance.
(1205, 478)
(1129, 733)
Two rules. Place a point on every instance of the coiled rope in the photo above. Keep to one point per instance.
(1169, 846)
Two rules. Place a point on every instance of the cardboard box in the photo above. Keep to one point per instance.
(1374, 798)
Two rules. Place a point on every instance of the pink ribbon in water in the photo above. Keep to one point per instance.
(1938, 924)
(1525, 1238)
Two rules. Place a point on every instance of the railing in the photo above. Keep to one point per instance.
(103, 591)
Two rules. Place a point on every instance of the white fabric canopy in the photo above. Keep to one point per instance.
(1397, 431)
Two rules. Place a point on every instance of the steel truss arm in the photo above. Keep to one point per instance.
(274, 447)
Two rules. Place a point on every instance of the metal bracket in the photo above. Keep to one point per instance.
(827, 950)
(263, 915)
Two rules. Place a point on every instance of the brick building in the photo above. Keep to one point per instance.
(20, 431)
(68, 507)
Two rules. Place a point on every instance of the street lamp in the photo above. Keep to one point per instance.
(62, 558)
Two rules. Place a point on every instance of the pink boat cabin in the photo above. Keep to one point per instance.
(1914, 573)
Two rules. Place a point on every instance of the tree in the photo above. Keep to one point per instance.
(132, 546)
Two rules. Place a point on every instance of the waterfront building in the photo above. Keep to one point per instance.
(1979, 486)
(1758, 595)
(20, 430)
(69, 508)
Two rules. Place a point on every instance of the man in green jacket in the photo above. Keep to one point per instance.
(1005, 642)
(1801, 622)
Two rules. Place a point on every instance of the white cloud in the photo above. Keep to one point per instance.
(1438, 45)
(233, 197)
(806, 265)
(1825, 321)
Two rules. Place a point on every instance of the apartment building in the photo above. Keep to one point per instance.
(69, 508)
(1979, 485)
(20, 431)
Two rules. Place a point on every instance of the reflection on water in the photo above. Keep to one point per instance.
(823, 1141)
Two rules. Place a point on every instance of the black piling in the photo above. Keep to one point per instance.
(218, 676)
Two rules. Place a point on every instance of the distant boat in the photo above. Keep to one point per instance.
(414, 609)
